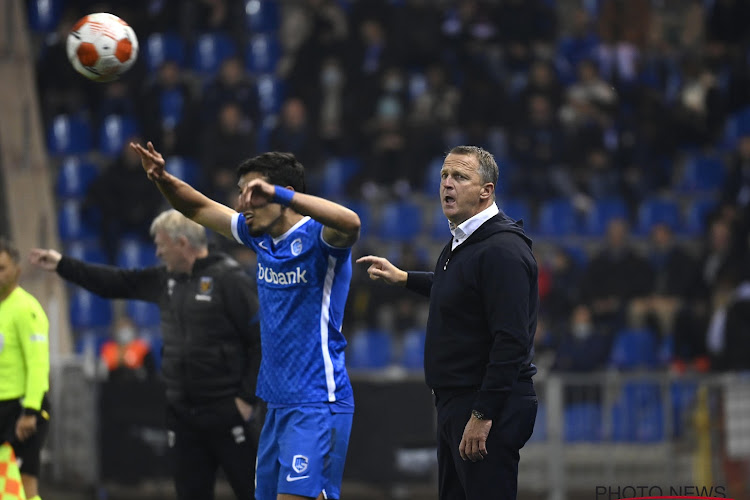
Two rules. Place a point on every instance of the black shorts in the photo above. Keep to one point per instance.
(28, 451)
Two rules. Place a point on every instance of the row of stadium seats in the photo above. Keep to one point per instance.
(638, 415)
(557, 218)
(373, 349)
(261, 16)
(261, 53)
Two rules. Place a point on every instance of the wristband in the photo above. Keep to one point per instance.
(282, 196)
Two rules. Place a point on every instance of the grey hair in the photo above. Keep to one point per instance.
(488, 169)
(175, 225)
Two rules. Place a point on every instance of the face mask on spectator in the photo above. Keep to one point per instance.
(582, 331)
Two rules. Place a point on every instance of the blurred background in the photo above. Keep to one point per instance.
(622, 132)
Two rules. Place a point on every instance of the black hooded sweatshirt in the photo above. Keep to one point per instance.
(484, 300)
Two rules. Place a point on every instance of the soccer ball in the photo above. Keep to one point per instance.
(102, 46)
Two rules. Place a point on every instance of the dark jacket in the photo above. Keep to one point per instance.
(483, 310)
(209, 322)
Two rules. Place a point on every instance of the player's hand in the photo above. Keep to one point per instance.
(46, 259)
(25, 427)
(151, 160)
(381, 268)
(245, 408)
(473, 444)
(255, 194)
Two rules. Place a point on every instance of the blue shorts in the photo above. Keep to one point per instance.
(302, 451)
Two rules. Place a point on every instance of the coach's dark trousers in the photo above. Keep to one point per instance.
(204, 439)
(495, 477)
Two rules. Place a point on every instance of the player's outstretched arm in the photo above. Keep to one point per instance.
(341, 224)
(182, 196)
(381, 268)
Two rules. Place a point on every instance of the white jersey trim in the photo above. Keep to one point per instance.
(235, 231)
(325, 315)
(291, 230)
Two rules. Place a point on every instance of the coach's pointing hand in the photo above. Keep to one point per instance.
(381, 268)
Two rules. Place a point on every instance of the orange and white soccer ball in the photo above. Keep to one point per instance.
(102, 46)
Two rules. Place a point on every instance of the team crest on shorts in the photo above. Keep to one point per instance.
(299, 463)
(296, 247)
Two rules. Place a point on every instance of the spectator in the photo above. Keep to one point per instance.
(121, 180)
(230, 86)
(672, 267)
(295, 135)
(126, 356)
(225, 145)
(737, 186)
(727, 337)
(615, 276)
(583, 348)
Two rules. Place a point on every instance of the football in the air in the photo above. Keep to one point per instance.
(102, 46)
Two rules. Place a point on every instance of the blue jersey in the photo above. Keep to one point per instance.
(303, 283)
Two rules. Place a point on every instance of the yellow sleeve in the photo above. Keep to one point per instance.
(33, 334)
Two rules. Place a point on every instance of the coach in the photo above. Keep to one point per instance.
(211, 355)
(480, 332)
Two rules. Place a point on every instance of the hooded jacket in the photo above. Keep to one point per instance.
(483, 307)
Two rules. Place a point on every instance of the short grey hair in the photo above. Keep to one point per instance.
(488, 169)
(174, 224)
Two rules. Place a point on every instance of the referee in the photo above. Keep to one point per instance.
(480, 333)
(24, 370)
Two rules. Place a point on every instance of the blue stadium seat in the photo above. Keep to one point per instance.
(638, 416)
(162, 47)
(634, 348)
(417, 85)
(270, 94)
(603, 212)
(336, 174)
(171, 107)
(87, 251)
(143, 314)
(370, 349)
(71, 223)
(68, 135)
(134, 254)
(266, 126)
(399, 221)
(262, 16)
(91, 340)
(114, 133)
(44, 15)
(74, 177)
(658, 211)
(517, 210)
(262, 54)
(682, 393)
(557, 218)
(412, 357)
(184, 168)
(88, 310)
(702, 173)
(697, 213)
(582, 422)
(209, 51)
(738, 125)
(432, 176)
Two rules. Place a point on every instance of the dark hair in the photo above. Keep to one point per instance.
(282, 169)
(7, 247)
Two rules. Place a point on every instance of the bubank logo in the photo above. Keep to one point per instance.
(661, 493)
(272, 277)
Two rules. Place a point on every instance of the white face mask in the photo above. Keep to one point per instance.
(582, 331)
(125, 335)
